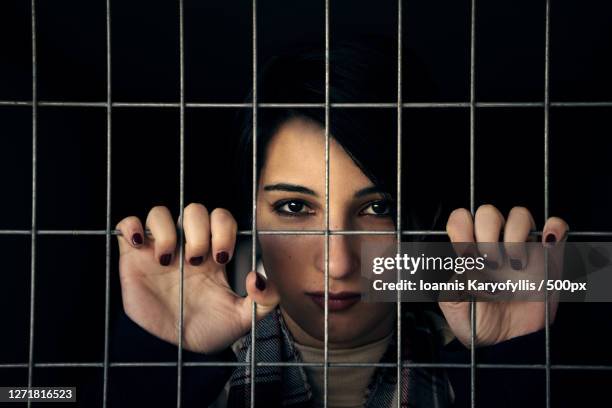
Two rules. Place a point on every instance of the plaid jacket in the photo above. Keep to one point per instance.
(288, 386)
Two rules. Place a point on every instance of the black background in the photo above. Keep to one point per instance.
(71, 150)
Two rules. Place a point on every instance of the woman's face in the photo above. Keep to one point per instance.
(291, 196)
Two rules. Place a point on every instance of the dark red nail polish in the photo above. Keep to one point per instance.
(516, 264)
(551, 238)
(196, 260)
(222, 257)
(165, 259)
(491, 264)
(260, 282)
(137, 239)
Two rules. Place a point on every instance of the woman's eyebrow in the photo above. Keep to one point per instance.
(370, 190)
(293, 188)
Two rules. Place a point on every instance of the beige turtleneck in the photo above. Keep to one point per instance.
(346, 385)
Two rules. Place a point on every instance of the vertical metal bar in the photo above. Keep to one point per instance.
(181, 252)
(472, 189)
(254, 196)
(472, 102)
(398, 220)
(33, 226)
(108, 202)
(326, 277)
(546, 104)
(546, 195)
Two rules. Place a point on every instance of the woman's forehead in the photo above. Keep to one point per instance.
(296, 154)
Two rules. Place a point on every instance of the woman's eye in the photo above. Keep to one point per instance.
(379, 208)
(292, 208)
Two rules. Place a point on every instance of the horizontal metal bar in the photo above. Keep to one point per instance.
(148, 105)
(308, 105)
(291, 232)
(302, 364)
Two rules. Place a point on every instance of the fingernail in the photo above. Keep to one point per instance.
(469, 254)
(137, 239)
(222, 257)
(551, 238)
(490, 289)
(516, 264)
(260, 282)
(165, 259)
(196, 260)
(491, 264)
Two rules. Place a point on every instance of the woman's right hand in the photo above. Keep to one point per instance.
(214, 316)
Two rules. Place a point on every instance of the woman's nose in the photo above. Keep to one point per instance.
(343, 256)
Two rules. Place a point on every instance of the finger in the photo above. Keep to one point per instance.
(554, 235)
(460, 227)
(460, 230)
(488, 224)
(163, 232)
(555, 230)
(518, 226)
(223, 229)
(261, 291)
(196, 224)
(457, 315)
(132, 234)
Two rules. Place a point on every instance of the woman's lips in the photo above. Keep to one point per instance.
(336, 301)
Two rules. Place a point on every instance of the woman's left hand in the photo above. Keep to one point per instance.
(497, 321)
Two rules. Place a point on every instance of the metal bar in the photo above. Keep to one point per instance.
(398, 220)
(393, 105)
(302, 364)
(472, 190)
(69, 104)
(546, 191)
(326, 243)
(33, 225)
(144, 364)
(254, 195)
(181, 233)
(146, 104)
(108, 205)
(295, 232)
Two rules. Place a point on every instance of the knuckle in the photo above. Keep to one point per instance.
(222, 212)
(457, 222)
(486, 209)
(158, 210)
(489, 210)
(121, 224)
(558, 221)
(195, 208)
(130, 223)
(197, 248)
(197, 242)
(165, 243)
(456, 217)
(224, 216)
(519, 212)
(451, 306)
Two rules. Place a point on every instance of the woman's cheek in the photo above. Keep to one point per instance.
(289, 259)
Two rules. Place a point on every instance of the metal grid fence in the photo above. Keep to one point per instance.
(108, 232)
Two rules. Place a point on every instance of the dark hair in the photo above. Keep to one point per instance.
(360, 71)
